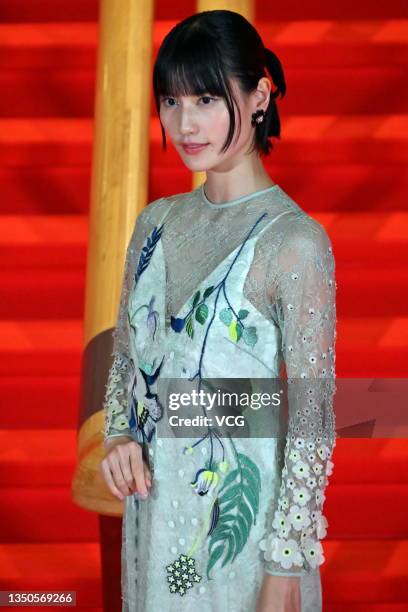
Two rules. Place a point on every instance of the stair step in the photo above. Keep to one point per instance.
(30, 515)
(75, 89)
(34, 400)
(41, 46)
(374, 461)
(42, 458)
(315, 9)
(365, 572)
(301, 42)
(45, 190)
(53, 567)
(41, 348)
(358, 511)
(37, 11)
(44, 294)
(87, 10)
(382, 607)
(46, 141)
(46, 242)
(341, 42)
(36, 297)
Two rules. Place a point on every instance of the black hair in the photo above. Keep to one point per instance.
(202, 52)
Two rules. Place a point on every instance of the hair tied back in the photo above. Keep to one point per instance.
(275, 69)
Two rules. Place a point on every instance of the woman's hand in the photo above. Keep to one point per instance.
(124, 468)
(279, 594)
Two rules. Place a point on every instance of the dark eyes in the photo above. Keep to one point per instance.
(201, 98)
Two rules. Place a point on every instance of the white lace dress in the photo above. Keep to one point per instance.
(233, 291)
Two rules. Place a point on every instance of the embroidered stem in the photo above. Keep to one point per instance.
(199, 537)
(221, 285)
(231, 306)
(136, 311)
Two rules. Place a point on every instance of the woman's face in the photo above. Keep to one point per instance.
(204, 119)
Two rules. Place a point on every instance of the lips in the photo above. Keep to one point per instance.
(194, 148)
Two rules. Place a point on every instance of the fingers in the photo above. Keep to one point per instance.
(140, 471)
(114, 476)
(109, 480)
(147, 475)
(125, 471)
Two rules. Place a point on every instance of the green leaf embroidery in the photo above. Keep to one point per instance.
(201, 313)
(196, 299)
(243, 313)
(189, 325)
(214, 558)
(226, 315)
(208, 291)
(229, 478)
(239, 504)
(232, 328)
(235, 331)
(250, 336)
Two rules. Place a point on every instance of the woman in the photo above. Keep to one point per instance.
(232, 280)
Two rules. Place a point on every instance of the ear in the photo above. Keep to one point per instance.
(262, 92)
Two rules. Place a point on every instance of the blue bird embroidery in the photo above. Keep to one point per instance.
(145, 409)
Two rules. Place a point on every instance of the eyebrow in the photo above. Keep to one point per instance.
(192, 96)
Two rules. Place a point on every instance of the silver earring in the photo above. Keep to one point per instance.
(257, 117)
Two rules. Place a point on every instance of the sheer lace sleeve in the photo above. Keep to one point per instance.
(301, 291)
(115, 404)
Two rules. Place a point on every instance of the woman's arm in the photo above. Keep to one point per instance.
(116, 405)
(301, 290)
(116, 395)
(279, 594)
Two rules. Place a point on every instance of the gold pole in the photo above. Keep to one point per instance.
(244, 7)
(119, 191)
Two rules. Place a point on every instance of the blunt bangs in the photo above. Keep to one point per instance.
(193, 68)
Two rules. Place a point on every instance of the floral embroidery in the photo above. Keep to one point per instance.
(235, 327)
(115, 417)
(147, 251)
(145, 407)
(234, 508)
(152, 319)
(182, 574)
(232, 512)
(282, 551)
(205, 480)
(145, 412)
(199, 310)
(304, 308)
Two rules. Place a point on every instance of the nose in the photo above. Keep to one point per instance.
(186, 121)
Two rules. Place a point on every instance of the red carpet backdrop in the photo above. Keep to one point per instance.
(342, 157)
